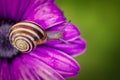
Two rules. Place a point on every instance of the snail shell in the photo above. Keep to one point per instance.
(25, 36)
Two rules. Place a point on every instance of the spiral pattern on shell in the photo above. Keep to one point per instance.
(25, 36)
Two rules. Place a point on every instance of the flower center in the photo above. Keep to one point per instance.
(6, 49)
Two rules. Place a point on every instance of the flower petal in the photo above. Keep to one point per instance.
(58, 60)
(29, 68)
(73, 48)
(51, 1)
(4, 70)
(46, 15)
(20, 71)
(33, 4)
(41, 69)
(3, 13)
(15, 9)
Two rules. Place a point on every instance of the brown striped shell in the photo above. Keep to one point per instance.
(25, 36)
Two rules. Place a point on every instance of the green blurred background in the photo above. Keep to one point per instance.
(98, 21)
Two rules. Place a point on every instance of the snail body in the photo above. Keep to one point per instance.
(25, 36)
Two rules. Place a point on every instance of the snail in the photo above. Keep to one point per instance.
(25, 36)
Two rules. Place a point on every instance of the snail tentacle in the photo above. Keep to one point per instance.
(58, 35)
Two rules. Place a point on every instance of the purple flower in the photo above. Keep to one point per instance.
(51, 60)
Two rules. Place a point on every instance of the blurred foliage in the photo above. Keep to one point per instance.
(99, 23)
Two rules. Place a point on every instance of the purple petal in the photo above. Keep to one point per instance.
(51, 0)
(15, 9)
(3, 12)
(12, 9)
(32, 6)
(29, 68)
(46, 15)
(73, 48)
(58, 60)
(4, 70)
(41, 69)
(19, 71)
